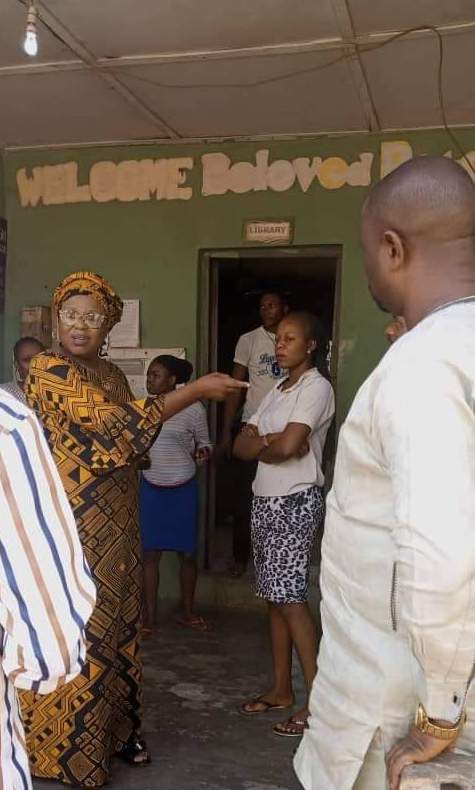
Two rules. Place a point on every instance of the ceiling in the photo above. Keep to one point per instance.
(135, 70)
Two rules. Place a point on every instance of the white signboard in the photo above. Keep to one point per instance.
(126, 334)
(134, 363)
(268, 232)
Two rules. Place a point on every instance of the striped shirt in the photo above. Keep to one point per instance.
(13, 388)
(46, 591)
(172, 456)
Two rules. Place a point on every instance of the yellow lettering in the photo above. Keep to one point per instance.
(332, 172)
(393, 154)
(468, 163)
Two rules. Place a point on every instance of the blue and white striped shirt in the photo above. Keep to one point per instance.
(46, 591)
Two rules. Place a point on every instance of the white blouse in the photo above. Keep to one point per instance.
(309, 401)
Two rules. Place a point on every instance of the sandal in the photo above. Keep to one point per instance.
(292, 728)
(266, 707)
(135, 752)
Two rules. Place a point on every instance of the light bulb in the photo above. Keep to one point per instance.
(30, 44)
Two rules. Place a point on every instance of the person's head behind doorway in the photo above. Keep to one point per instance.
(418, 232)
(272, 309)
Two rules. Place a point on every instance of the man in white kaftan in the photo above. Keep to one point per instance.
(398, 557)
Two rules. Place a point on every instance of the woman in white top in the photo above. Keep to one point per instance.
(287, 435)
(169, 503)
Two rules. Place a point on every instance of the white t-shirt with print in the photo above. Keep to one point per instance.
(309, 401)
(256, 351)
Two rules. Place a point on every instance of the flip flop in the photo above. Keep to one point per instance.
(268, 706)
(135, 753)
(292, 728)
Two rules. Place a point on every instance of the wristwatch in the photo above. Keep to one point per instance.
(424, 724)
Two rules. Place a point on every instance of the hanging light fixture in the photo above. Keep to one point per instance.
(30, 44)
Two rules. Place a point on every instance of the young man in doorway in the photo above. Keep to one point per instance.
(254, 361)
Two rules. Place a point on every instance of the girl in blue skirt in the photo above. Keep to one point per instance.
(169, 492)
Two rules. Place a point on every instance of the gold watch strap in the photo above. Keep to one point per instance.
(424, 724)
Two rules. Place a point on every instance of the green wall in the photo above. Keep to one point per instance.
(150, 249)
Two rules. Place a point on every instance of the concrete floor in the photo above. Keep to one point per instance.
(194, 683)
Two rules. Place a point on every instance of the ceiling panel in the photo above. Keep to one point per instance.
(123, 27)
(374, 15)
(68, 107)
(316, 100)
(220, 97)
(403, 79)
(12, 34)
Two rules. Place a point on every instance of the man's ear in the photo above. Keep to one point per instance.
(395, 249)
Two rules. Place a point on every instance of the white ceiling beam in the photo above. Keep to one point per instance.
(247, 138)
(269, 50)
(89, 61)
(346, 27)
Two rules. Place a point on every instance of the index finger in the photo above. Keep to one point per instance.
(238, 385)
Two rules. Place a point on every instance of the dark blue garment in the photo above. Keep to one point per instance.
(169, 516)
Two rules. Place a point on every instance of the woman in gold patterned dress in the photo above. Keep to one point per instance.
(98, 434)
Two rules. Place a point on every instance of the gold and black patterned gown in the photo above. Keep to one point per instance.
(97, 435)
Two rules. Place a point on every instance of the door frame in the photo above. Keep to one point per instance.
(207, 326)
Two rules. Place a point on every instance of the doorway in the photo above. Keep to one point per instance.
(231, 283)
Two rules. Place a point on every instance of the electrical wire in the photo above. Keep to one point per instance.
(361, 49)
(345, 56)
(26, 4)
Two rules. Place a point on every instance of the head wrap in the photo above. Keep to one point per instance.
(180, 368)
(94, 285)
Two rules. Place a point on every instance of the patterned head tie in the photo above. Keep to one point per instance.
(88, 283)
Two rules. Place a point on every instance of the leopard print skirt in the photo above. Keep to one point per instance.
(283, 531)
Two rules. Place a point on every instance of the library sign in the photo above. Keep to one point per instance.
(133, 180)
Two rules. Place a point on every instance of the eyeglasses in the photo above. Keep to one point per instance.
(91, 320)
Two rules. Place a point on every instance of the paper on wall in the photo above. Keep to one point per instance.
(126, 334)
(134, 364)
